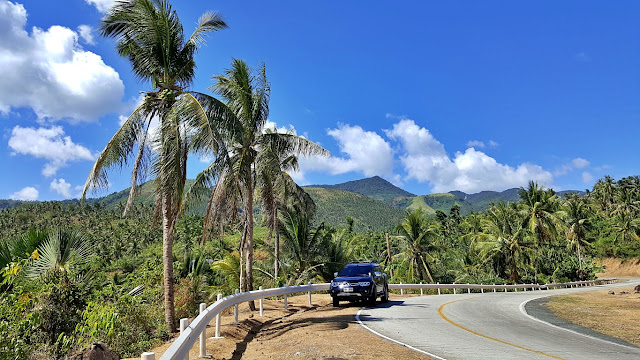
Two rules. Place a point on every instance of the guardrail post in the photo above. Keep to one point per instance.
(218, 320)
(438, 287)
(261, 309)
(515, 288)
(454, 288)
(468, 289)
(203, 334)
(524, 289)
(310, 304)
(236, 310)
(481, 289)
(148, 356)
(421, 289)
(401, 290)
(286, 300)
(184, 323)
(494, 289)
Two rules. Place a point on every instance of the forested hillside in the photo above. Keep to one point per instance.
(373, 187)
(334, 206)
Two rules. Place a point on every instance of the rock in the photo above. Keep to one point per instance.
(612, 292)
(97, 351)
(637, 289)
(623, 292)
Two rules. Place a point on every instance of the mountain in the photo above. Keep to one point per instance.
(373, 187)
(334, 205)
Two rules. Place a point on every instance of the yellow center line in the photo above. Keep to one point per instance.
(442, 315)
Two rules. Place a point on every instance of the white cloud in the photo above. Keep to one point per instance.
(282, 129)
(475, 143)
(29, 194)
(61, 187)
(86, 34)
(577, 163)
(49, 144)
(102, 5)
(580, 163)
(426, 160)
(48, 71)
(366, 152)
(587, 178)
(493, 144)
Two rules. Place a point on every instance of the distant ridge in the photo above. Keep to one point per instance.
(373, 187)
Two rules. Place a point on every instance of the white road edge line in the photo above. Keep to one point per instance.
(393, 340)
(524, 311)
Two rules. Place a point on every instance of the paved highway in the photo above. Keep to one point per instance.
(488, 326)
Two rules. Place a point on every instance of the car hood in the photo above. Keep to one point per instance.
(352, 278)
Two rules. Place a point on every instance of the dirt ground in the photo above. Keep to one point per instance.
(618, 268)
(617, 315)
(317, 332)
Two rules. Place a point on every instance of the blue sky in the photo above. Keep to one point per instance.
(433, 96)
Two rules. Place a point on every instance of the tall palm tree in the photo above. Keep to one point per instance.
(275, 187)
(239, 121)
(417, 234)
(576, 216)
(539, 211)
(150, 35)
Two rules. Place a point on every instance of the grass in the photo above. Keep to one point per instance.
(614, 315)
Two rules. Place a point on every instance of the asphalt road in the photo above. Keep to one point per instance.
(488, 326)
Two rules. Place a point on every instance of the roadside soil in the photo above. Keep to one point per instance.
(619, 268)
(303, 332)
(616, 315)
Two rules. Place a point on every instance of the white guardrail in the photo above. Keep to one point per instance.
(179, 349)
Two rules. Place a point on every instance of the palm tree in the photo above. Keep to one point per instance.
(576, 214)
(539, 209)
(604, 191)
(61, 250)
(304, 243)
(276, 189)
(626, 227)
(239, 122)
(150, 35)
(417, 234)
(504, 239)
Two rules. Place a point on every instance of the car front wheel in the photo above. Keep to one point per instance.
(336, 302)
(385, 295)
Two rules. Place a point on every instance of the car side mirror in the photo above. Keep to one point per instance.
(335, 274)
(378, 273)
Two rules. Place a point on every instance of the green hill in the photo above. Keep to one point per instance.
(373, 187)
(334, 205)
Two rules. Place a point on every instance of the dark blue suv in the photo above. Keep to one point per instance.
(360, 281)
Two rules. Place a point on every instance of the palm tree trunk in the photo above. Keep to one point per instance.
(579, 255)
(249, 253)
(276, 246)
(167, 263)
(242, 249)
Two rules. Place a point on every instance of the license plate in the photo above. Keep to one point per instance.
(347, 289)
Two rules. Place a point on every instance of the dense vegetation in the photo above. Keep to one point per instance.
(124, 271)
(50, 308)
(334, 206)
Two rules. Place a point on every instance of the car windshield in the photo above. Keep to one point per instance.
(356, 271)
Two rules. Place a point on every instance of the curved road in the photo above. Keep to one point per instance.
(488, 326)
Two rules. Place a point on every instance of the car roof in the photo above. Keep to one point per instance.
(362, 264)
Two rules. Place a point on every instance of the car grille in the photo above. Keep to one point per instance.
(354, 284)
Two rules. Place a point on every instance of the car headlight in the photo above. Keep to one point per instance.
(364, 283)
